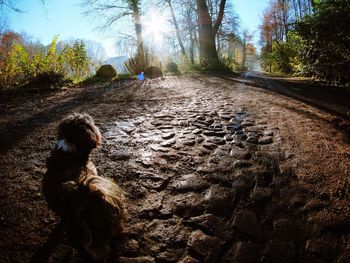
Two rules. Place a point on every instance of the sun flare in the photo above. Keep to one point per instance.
(156, 27)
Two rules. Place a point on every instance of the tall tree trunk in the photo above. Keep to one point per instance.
(207, 32)
(177, 30)
(192, 43)
(138, 26)
(244, 55)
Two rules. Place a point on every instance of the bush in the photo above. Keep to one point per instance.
(47, 80)
(230, 63)
(138, 64)
(325, 34)
(153, 72)
(172, 67)
(20, 65)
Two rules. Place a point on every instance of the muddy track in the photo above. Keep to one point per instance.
(215, 171)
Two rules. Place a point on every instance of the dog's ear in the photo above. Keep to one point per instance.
(80, 130)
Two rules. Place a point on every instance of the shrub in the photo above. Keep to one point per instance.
(153, 72)
(325, 34)
(230, 63)
(47, 80)
(138, 64)
(171, 66)
(21, 65)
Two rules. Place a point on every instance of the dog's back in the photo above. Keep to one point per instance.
(101, 214)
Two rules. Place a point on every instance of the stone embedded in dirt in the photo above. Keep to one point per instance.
(190, 182)
(128, 128)
(110, 135)
(314, 205)
(187, 205)
(214, 168)
(209, 222)
(146, 162)
(268, 133)
(120, 155)
(206, 246)
(197, 131)
(151, 184)
(168, 143)
(202, 152)
(233, 127)
(157, 148)
(151, 204)
(228, 138)
(277, 251)
(298, 200)
(264, 178)
(242, 163)
(252, 139)
(168, 135)
(260, 194)
(247, 222)
(135, 191)
(219, 200)
(189, 259)
(130, 247)
(287, 229)
(223, 178)
(217, 141)
(189, 142)
(243, 252)
(209, 146)
(240, 154)
(243, 184)
(165, 127)
(200, 139)
(209, 133)
(162, 235)
(147, 259)
(168, 256)
(213, 133)
(323, 247)
(266, 140)
(247, 123)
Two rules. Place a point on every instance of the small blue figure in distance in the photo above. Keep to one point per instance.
(141, 76)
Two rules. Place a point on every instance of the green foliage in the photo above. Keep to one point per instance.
(22, 66)
(75, 61)
(326, 37)
(283, 57)
(230, 63)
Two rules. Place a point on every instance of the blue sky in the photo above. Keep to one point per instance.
(65, 17)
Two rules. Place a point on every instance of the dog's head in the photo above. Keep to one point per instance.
(78, 132)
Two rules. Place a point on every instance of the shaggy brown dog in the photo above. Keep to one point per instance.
(90, 207)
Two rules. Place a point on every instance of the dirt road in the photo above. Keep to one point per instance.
(215, 171)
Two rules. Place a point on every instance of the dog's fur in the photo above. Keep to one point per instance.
(90, 207)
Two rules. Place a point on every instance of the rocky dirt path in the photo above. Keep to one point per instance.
(215, 171)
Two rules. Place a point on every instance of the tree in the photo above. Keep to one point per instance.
(177, 29)
(325, 34)
(245, 40)
(113, 11)
(207, 33)
(10, 4)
